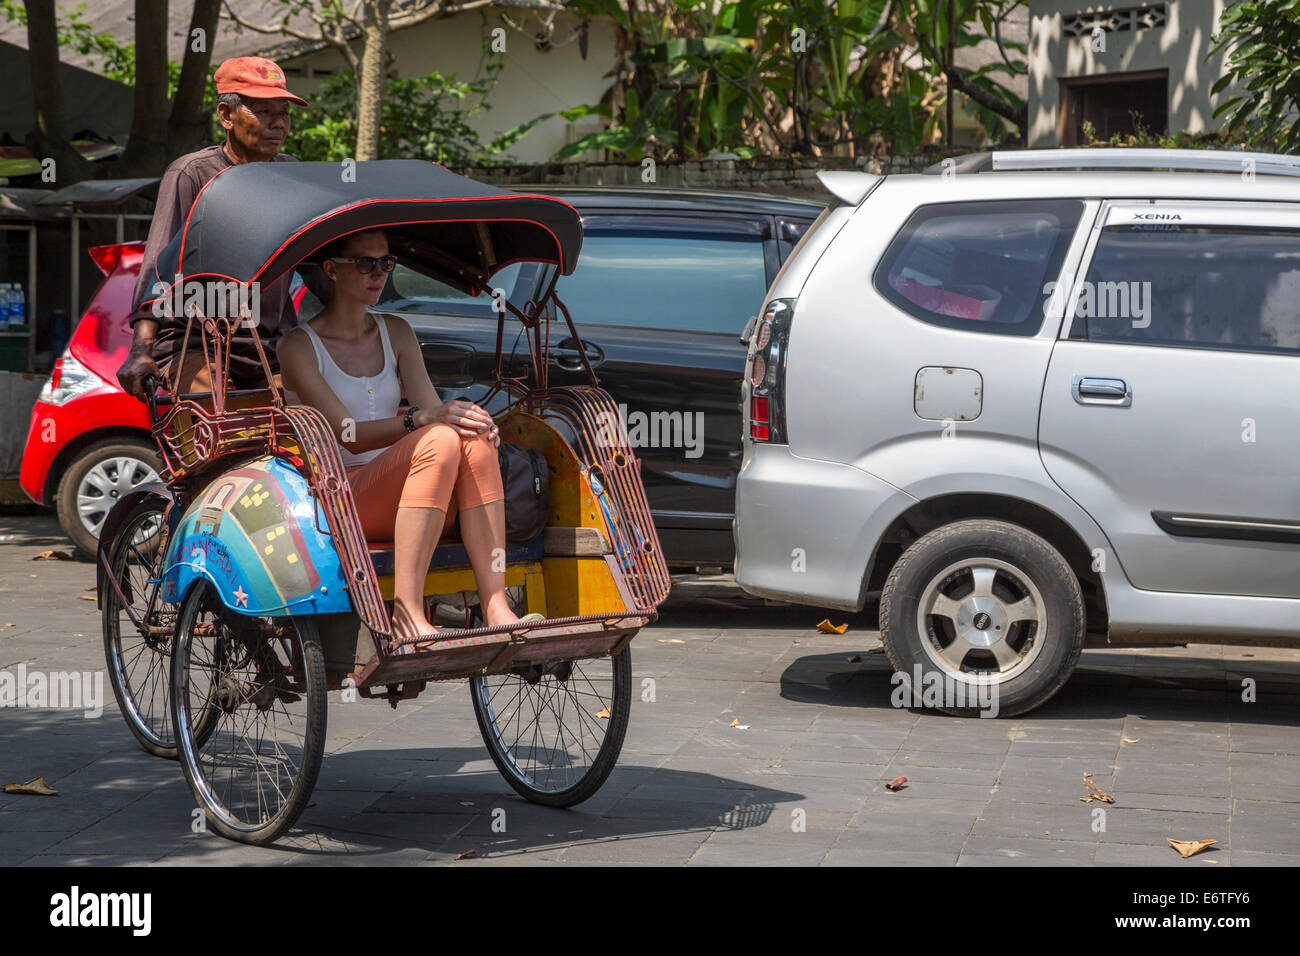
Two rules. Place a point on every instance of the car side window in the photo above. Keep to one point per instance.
(1218, 286)
(979, 266)
(412, 291)
(690, 279)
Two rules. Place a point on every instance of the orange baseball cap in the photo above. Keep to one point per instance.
(254, 76)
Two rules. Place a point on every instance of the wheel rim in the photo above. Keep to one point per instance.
(105, 483)
(240, 732)
(544, 722)
(141, 662)
(981, 621)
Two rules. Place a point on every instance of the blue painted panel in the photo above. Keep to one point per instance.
(262, 540)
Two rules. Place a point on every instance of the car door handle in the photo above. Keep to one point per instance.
(565, 354)
(449, 365)
(1092, 390)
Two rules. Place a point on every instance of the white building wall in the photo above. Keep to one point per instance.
(1180, 46)
(533, 82)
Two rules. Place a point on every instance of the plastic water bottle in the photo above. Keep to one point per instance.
(17, 307)
(6, 293)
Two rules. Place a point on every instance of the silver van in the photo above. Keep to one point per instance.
(1030, 400)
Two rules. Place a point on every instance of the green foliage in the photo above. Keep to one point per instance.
(109, 56)
(422, 117)
(1142, 137)
(801, 74)
(1262, 38)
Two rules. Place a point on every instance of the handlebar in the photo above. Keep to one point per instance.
(151, 386)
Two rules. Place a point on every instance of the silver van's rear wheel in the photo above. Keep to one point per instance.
(986, 615)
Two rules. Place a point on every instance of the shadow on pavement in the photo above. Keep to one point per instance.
(1106, 684)
(116, 804)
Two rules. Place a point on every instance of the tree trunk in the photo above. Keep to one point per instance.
(147, 151)
(190, 127)
(370, 93)
(47, 139)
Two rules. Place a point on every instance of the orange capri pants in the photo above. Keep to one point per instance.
(433, 467)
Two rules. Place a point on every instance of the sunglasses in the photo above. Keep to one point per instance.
(366, 264)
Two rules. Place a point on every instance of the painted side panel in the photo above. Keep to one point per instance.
(260, 538)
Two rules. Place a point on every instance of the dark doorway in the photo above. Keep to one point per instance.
(1114, 105)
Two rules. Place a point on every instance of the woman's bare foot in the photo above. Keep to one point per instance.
(411, 624)
(502, 615)
(496, 611)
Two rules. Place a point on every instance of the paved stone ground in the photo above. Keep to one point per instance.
(1166, 731)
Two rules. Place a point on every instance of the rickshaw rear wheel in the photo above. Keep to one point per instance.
(263, 681)
(555, 730)
(139, 666)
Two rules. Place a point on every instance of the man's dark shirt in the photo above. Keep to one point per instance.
(176, 194)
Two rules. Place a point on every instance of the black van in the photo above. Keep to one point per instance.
(665, 284)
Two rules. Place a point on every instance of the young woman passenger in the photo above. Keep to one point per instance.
(412, 474)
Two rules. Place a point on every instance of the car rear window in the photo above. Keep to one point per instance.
(703, 282)
(979, 266)
(1195, 287)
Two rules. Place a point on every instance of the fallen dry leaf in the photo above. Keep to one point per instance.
(896, 783)
(87, 597)
(736, 722)
(1131, 740)
(669, 640)
(1190, 847)
(466, 854)
(1094, 792)
(36, 787)
(603, 713)
(826, 627)
(59, 555)
(854, 659)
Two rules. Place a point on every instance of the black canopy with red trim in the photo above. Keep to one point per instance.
(259, 220)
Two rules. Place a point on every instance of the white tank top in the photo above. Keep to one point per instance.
(367, 398)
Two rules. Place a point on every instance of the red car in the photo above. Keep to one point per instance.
(89, 441)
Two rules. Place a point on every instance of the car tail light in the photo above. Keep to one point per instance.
(68, 380)
(107, 257)
(759, 423)
(767, 371)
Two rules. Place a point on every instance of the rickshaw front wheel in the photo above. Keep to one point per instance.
(555, 730)
(260, 684)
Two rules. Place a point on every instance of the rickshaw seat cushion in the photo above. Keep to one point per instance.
(452, 554)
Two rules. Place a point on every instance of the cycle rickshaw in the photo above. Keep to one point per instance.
(218, 586)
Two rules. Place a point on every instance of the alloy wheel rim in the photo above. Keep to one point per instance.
(107, 483)
(981, 621)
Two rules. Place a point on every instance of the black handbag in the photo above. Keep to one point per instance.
(527, 484)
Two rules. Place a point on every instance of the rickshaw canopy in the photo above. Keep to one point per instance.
(257, 221)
